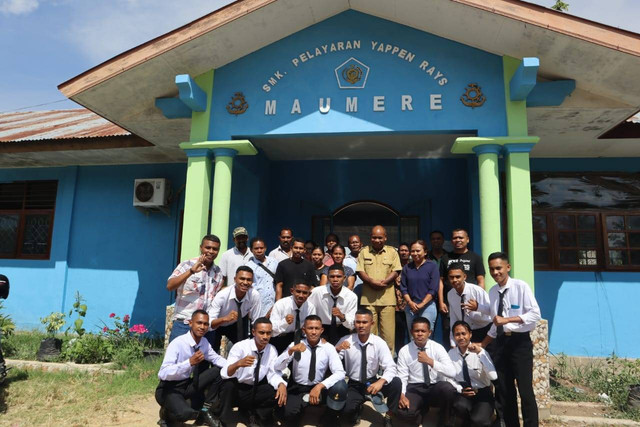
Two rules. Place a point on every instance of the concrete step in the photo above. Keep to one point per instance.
(579, 409)
(574, 420)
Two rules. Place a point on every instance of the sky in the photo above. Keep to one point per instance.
(46, 42)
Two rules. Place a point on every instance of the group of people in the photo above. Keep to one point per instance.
(313, 328)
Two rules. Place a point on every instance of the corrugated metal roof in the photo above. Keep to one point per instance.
(57, 124)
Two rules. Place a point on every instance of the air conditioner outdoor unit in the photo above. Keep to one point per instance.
(151, 192)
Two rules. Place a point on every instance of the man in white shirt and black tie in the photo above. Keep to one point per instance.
(515, 312)
(186, 355)
(250, 382)
(468, 303)
(287, 317)
(423, 368)
(235, 307)
(336, 305)
(308, 376)
(474, 403)
(364, 354)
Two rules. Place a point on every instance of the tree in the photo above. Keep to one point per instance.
(560, 6)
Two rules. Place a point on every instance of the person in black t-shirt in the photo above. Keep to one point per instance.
(294, 270)
(473, 268)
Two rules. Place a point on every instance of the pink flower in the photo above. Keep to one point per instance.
(112, 315)
(138, 329)
(117, 330)
(105, 329)
(126, 318)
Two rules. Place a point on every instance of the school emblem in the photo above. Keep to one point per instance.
(238, 104)
(473, 96)
(352, 74)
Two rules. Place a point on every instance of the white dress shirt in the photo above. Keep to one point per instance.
(322, 299)
(481, 369)
(518, 301)
(378, 356)
(230, 261)
(476, 319)
(263, 281)
(176, 365)
(284, 307)
(245, 375)
(410, 370)
(279, 254)
(326, 358)
(225, 302)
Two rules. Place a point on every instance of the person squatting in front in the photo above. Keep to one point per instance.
(185, 374)
(310, 362)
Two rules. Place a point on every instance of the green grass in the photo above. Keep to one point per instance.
(32, 397)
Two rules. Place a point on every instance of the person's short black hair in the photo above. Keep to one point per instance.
(259, 321)
(312, 317)
(420, 319)
(312, 243)
(334, 267)
(366, 311)
(254, 240)
(460, 229)
(212, 238)
(308, 285)
(335, 237)
(461, 323)
(404, 244)
(456, 266)
(285, 229)
(297, 239)
(499, 255)
(244, 268)
(339, 246)
(199, 311)
(436, 232)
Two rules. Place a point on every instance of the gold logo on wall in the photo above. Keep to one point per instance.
(353, 74)
(473, 96)
(238, 104)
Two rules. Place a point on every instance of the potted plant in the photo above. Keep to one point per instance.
(51, 346)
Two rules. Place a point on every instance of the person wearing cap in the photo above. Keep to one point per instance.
(287, 317)
(196, 282)
(234, 308)
(310, 360)
(249, 381)
(294, 270)
(335, 304)
(364, 354)
(283, 251)
(4, 294)
(424, 367)
(238, 255)
(474, 403)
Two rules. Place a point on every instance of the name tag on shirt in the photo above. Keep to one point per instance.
(515, 306)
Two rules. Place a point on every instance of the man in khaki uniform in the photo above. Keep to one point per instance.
(378, 267)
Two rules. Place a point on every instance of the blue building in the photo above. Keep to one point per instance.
(334, 116)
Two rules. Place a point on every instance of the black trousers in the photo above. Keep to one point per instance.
(259, 402)
(477, 335)
(513, 358)
(281, 342)
(340, 332)
(173, 395)
(474, 411)
(231, 332)
(295, 406)
(357, 390)
(422, 396)
(445, 321)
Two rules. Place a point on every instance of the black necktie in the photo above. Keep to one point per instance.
(363, 363)
(462, 308)
(333, 330)
(256, 375)
(297, 335)
(500, 328)
(196, 370)
(239, 322)
(465, 372)
(425, 368)
(312, 364)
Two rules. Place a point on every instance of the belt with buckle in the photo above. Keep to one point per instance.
(508, 333)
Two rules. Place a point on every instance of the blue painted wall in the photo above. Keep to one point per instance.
(117, 257)
(388, 75)
(590, 313)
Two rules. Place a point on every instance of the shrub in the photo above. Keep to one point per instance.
(89, 348)
(7, 327)
(53, 323)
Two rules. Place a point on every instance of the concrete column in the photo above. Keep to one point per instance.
(489, 184)
(196, 201)
(519, 217)
(221, 201)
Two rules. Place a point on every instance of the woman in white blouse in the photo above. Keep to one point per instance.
(474, 405)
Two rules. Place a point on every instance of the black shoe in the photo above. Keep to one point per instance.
(387, 421)
(254, 421)
(206, 418)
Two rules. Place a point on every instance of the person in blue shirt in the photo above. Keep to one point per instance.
(419, 285)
